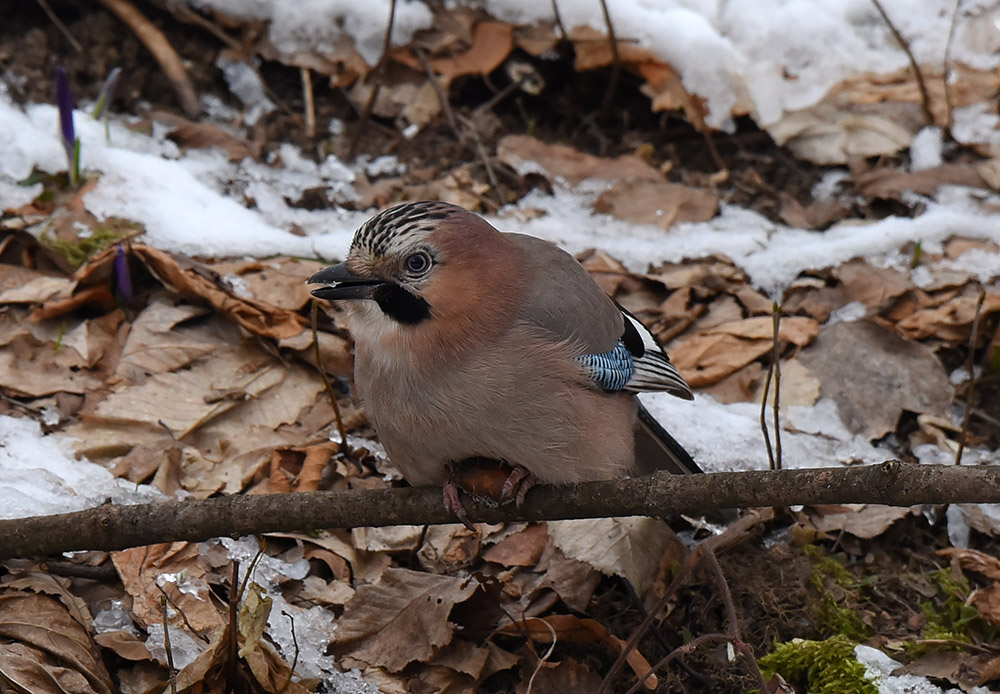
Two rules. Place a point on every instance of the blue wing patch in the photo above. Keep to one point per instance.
(610, 370)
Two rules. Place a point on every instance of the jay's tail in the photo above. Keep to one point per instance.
(656, 449)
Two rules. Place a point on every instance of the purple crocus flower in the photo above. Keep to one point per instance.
(123, 274)
(64, 99)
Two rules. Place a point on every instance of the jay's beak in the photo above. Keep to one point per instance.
(341, 283)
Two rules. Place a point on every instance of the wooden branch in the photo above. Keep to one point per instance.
(111, 527)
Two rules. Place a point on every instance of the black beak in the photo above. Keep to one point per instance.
(341, 283)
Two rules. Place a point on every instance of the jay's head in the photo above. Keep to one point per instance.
(423, 262)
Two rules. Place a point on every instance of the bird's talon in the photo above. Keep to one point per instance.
(453, 503)
(516, 486)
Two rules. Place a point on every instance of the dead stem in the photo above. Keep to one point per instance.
(63, 29)
(310, 105)
(344, 448)
(616, 65)
(736, 533)
(776, 365)
(925, 98)
(971, 366)
(456, 126)
(376, 74)
(949, 107)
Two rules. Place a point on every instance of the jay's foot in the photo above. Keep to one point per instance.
(453, 503)
(487, 481)
(517, 484)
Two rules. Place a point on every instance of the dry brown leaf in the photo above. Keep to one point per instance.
(713, 354)
(522, 548)
(492, 42)
(963, 668)
(125, 644)
(525, 154)
(866, 522)
(799, 386)
(21, 285)
(573, 629)
(818, 214)
(142, 567)
(189, 134)
(873, 286)
(892, 183)
(951, 322)
(987, 601)
(45, 649)
(974, 560)
(279, 282)
(657, 202)
(190, 279)
(628, 547)
(557, 678)
(153, 346)
(873, 375)
(401, 619)
(448, 549)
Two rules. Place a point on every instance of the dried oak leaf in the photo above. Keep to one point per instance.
(569, 628)
(401, 619)
(872, 286)
(873, 375)
(628, 547)
(526, 155)
(951, 322)
(709, 356)
(974, 560)
(44, 649)
(657, 202)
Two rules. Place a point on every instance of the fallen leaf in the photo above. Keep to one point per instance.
(892, 183)
(872, 286)
(401, 619)
(874, 375)
(525, 155)
(522, 548)
(657, 202)
(575, 630)
(973, 560)
(492, 42)
(951, 322)
(867, 522)
(628, 547)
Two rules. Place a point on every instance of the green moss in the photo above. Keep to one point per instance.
(79, 251)
(949, 616)
(837, 590)
(819, 667)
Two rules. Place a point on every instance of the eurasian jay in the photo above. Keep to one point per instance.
(472, 343)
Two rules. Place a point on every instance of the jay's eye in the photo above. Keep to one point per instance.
(418, 263)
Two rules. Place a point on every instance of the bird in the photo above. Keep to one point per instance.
(476, 344)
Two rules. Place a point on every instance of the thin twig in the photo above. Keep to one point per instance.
(925, 97)
(344, 448)
(734, 534)
(233, 650)
(971, 366)
(544, 658)
(63, 29)
(616, 64)
(295, 657)
(184, 617)
(776, 366)
(735, 637)
(157, 44)
(949, 107)
(167, 647)
(307, 97)
(763, 416)
(558, 21)
(456, 127)
(376, 74)
(676, 653)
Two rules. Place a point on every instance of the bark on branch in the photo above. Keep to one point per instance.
(111, 527)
